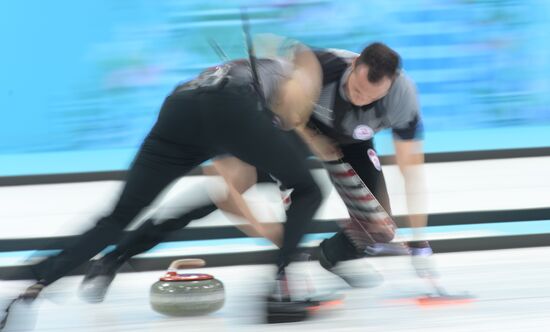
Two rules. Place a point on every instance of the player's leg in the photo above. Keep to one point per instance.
(339, 248)
(371, 173)
(101, 272)
(158, 162)
(249, 135)
(260, 144)
(151, 172)
(154, 230)
(363, 159)
(151, 232)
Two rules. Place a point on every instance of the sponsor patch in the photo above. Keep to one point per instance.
(363, 132)
(374, 159)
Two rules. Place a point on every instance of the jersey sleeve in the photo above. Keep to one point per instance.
(404, 110)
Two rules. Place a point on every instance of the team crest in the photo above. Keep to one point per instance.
(363, 132)
(374, 159)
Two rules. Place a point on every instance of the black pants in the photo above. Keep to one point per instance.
(362, 157)
(152, 231)
(364, 160)
(193, 126)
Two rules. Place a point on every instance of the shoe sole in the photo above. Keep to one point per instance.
(287, 312)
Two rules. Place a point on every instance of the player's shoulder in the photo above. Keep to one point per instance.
(402, 99)
(402, 86)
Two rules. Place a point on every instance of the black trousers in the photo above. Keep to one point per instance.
(362, 157)
(193, 126)
(152, 231)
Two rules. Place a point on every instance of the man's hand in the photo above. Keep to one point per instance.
(323, 147)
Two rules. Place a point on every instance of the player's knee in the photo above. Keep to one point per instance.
(112, 226)
(308, 187)
(109, 228)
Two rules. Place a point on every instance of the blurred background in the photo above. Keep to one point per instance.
(81, 82)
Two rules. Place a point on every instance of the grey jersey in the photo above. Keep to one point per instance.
(337, 118)
(271, 73)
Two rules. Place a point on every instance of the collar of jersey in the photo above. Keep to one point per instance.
(343, 81)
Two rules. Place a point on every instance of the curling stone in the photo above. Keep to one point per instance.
(188, 294)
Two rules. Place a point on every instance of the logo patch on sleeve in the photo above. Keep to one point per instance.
(374, 159)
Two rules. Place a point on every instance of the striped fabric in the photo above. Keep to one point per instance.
(369, 222)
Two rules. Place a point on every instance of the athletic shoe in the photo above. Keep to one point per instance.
(355, 274)
(97, 280)
(32, 292)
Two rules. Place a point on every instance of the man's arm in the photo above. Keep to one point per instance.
(239, 177)
(409, 156)
(323, 147)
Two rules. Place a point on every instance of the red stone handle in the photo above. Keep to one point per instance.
(188, 263)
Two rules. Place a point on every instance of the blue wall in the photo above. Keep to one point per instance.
(81, 81)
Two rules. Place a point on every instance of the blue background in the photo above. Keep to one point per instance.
(82, 81)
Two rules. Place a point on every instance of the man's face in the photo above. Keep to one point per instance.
(360, 91)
